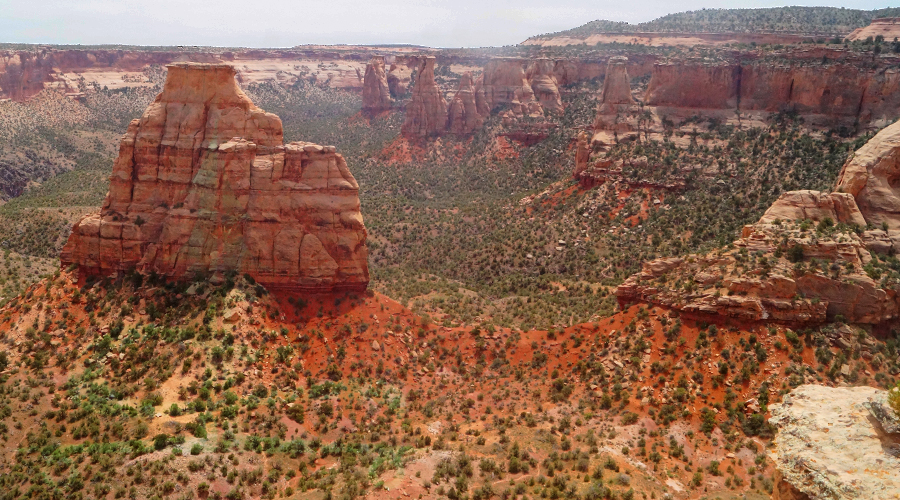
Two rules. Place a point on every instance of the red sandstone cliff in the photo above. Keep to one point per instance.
(204, 184)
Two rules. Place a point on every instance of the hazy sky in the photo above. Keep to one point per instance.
(285, 23)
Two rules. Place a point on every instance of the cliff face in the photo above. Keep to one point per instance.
(204, 184)
(463, 116)
(505, 84)
(376, 95)
(829, 447)
(700, 86)
(794, 288)
(544, 84)
(617, 115)
(426, 113)
(840, 93)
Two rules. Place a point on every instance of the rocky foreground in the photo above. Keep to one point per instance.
(830, 445)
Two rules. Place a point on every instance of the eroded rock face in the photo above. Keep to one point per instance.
(582, 154)
(815, 206)
(871, 176)
(544, 85)
(204, 184)
(505, 85)
(618, 114)
(426, 113)
(376, 94)
(463, 117)
(827, 447)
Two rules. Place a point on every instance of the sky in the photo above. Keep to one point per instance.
(286, 23)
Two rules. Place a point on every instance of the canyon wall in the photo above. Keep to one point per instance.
(204, 185)
(829, 93)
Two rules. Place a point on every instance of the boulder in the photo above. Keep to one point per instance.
(204, 184)
(827, 447)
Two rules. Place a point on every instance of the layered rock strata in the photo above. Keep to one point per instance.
(203, 185)
(816, 254)
(426, 113)
(376, 95)
(828, 447)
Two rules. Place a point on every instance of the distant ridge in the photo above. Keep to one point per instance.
(788, 20)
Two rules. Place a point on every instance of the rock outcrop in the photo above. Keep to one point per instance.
(582, 154)
(544, 84)
(376, 95)
(618, 114)
(871, 176)
(463, 116)
(827, 447)
(204, 185)
(806, 273)
(505, 85)
(426, 113)
(399, 77)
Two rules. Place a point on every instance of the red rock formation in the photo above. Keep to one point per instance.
(376, 96)
(204, 184)
(617, 115)
(582, 154)
(399, 78)
(544, 85)
(867, 197)
(694, 85)
(845, 92)
(462, 116)
(426, 113)
(505, 84)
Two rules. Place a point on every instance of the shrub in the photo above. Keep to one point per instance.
(894, 399)
(196, 449)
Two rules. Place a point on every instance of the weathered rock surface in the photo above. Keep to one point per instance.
(582, 154)
(505, 85)
(815, 206)
(827, 92)
(871, 176)
(544, 84)
(426, 113)
(827, 447)
(618, 114)
(463, 116)
(376, 94)
(399, 77)
(204, 184)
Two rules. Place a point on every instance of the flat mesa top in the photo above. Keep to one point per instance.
(199, 65)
